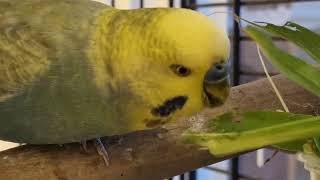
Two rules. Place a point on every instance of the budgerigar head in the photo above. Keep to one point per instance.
(167, 62)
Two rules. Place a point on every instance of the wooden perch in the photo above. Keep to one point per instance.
(154, 154)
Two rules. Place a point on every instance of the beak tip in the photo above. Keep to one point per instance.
(214, 101)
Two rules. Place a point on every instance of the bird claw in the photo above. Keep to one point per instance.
(102, 150)
(84, 146)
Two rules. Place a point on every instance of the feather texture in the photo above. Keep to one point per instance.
(23, 57)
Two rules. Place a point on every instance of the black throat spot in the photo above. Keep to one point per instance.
(169, 106)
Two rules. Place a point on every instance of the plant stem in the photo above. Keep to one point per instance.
(221, 144)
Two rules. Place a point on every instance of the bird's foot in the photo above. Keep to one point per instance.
(84, 146)
(102, 150)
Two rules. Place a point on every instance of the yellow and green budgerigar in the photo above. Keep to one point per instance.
(73, 70)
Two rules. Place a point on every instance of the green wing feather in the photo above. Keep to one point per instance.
(34, 33)
(45, 78)
(23, 57)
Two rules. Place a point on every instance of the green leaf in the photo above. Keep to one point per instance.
(293, 146)
(232, 133)
(306, 39)
(252, 120)
(316, 141)
(294, 68)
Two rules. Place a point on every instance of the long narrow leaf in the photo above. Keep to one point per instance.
(294, 68)
(306, 39)
(232, 133)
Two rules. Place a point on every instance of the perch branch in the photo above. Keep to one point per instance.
(153, 154)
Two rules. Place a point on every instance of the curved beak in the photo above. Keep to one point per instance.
(216, 85)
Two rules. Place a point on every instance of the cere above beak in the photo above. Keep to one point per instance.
(216, 85)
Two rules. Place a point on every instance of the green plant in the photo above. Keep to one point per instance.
(238, 132)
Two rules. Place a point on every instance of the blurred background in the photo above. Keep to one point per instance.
(246, 68)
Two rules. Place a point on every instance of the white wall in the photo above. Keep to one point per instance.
(7, 145)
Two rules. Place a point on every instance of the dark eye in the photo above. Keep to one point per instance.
(180, 70)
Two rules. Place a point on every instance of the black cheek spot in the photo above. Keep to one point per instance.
(170, 106)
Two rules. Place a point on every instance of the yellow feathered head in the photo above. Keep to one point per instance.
(161, 63)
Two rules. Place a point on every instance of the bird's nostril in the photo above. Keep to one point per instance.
(217, 73)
